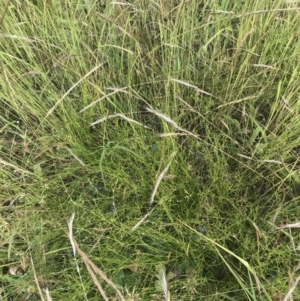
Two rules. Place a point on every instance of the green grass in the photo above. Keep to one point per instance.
(186, 186)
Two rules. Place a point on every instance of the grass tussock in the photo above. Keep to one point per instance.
(149, 150)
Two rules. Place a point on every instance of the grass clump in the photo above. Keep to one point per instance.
(149, 150)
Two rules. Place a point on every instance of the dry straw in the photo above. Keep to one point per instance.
(91, 267)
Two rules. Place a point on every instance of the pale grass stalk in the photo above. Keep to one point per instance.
(103, 97)
(271, 161)
(162, 278)
(98, 239)
(73, 86)
(188, 105)
(286, 104)
(91, 267)
(96, 282)
(70, 234)
(172, 46)
(297, 267)
(223, 12)
(166, 118)
(292, 288)
(189, 85)
(275, 216)
(140, 221)
(164, 135)
(256, 228)
(29, 40)
(256, 280)
(294, 225)
(158, 180)
(88, 262)
(291, 282)
(278, 10)
(80, 161)
(236, 101)
(292, 240)
(244, 156)
(121, 3)
(12, 36)
(15, 167)
(264, 66)
(160, 177)
(47, 294)
(36, 281)
(118, 115)
(225, 124)
(171, 122)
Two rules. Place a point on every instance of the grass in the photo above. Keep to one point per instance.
(149, 150)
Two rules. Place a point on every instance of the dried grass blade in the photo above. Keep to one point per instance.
(67, 93)
(97, 283)
(118, 115)
(159, 179)
(90, 265)
(294, 225)
(103, 97)
(80, 161)
(290, 292)
(236, 101)
(14, 166)
(163, 282)
(49, 298)
(37, 281)
(141, 221)
(189, 85)
(163, 135)
(171, 122)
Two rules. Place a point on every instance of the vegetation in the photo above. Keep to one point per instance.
(149, 150)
